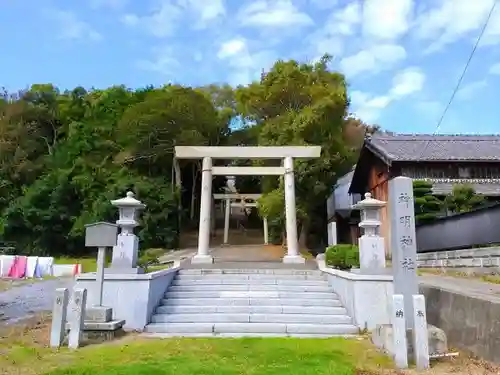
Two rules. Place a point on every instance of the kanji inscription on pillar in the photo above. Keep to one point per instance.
(403, 241)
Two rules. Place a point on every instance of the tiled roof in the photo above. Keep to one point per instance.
(424, 147)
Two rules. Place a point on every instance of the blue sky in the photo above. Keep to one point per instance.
(402, 58)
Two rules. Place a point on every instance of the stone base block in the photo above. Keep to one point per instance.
(293, 259)
(202, 259)
(94, 332)
(98, 314)
(124, 270)
(382, 338)
(112, 325)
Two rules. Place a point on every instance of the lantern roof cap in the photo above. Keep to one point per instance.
(369, 202)
(128, 201)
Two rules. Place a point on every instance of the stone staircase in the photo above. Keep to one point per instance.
(254, 302)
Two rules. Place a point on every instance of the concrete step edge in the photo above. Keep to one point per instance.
(260, 328)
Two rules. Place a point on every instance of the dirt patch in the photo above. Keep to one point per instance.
(462, 365)
(32, 332)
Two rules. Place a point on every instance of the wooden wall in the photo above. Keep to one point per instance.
(378, 185)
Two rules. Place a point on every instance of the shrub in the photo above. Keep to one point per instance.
(342, 257)
(150, 257)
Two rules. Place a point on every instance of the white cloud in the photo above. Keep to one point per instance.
(165, 17)
(495, 69)
(456, 19)
(345, 21)
(387, 19)
(207, 9)
(340, 23)
(231, 48)
(71, 27)
(405, 83)
(161, 22)
(469, 90)
(373, 59)
(245, 65)
(273, 13)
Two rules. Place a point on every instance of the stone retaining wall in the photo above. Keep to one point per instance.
(480, 257)
(470, 322)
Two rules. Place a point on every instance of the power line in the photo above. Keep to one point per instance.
(466, 67)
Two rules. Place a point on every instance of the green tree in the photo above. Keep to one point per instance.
(463, 198)
(427, 206)
(302, 104)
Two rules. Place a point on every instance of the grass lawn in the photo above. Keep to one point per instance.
(23, 351)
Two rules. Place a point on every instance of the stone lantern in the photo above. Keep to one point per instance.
(126, 251)
(371, 245)
(128, 209)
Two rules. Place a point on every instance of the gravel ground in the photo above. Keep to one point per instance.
(22, 302)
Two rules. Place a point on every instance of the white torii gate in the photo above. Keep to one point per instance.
(227, 198)
(286, 153)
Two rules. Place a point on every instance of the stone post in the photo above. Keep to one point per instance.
(420, 333)
(58, 328)
(403, 244)
(227, 215)
(293, 255)
(77, 315)
(371, 245)
(126, 251)
(206, 202)
(399, 341)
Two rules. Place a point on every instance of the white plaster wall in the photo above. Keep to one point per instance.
(132, 297)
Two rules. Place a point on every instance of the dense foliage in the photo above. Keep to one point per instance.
(342, 256)
(427, 206)
(65, 155)
(464, 198)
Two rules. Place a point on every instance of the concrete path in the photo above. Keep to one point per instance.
(24, 301)
(470, 287)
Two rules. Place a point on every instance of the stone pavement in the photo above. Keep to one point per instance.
(470, 287)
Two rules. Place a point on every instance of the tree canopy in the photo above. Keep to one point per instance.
(65, 154)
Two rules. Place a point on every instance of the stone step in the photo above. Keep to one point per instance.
(251, 277)
(240, 335)
(231, 280)
(210, 309)
(208, 271)
(251, 318)
(250, 288)
(332, 301)
(248, 294)
(260, 329)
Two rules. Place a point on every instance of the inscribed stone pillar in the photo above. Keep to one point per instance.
(399, 341)
(420, 333)
(403, 243)
(58, 327)
(78, 303)
(205, 215)
(293, 255)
